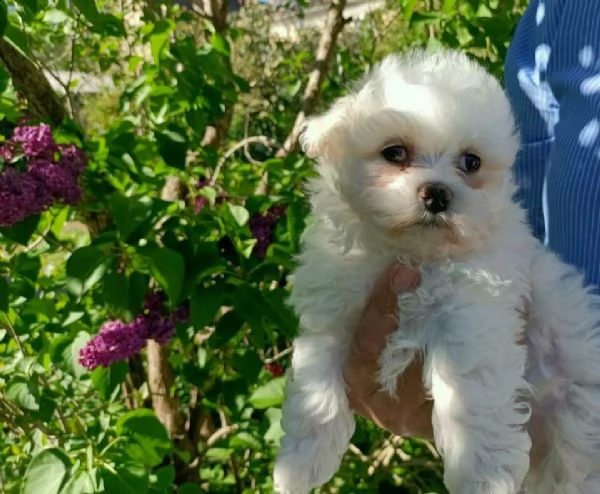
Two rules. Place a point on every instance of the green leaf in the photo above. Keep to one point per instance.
(196, 120)
(24, 393)
(30, 5)
(189, 488)
(109, 25)
(129, 213)
(274, 433)
(208, 261)
(202, 357)
(115, 291)
(239, 214)
(107, 380)
(409, 8)
(88, 8)
(295, 215)
(227, 327)
(3, 17)
(71, 361)
(80, 483)
(138, 288)
(449, 6)
(46, 472)
(159, 37)
(248, 365)
(26, 266)
(172, 145)
(47, 407)
(4, 293)
(149, 439)
(219, 454)
(249, 303)
(168, 269)
(204, 305)
(280, 313)
(22, 231)
(165, 477)
(43, 309)
(425, 18)
(127, 478)
(85, 267)
(269, 395)
(245, 440)
(219, 43)
(27, 366)
(58, 347)
(19, 40)
(55, 16)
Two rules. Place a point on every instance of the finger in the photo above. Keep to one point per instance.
(380, 315)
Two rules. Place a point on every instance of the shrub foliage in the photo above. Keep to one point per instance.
(151, 203)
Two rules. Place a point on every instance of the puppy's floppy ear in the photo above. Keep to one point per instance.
(323, 136)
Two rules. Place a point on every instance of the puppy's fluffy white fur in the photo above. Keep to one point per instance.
(480, 266)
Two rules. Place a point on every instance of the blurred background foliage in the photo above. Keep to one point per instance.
(188, 113)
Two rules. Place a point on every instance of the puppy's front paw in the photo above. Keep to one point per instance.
(290, 477)
(303, 464)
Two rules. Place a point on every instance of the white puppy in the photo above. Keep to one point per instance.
(415, 166)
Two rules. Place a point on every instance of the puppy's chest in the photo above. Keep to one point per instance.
(461, 291)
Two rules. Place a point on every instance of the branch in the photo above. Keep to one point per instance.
(279, 355)
(221, 433)
(265, 141)
(167, 407)
(216, 11)
(30, 82)
(161, 378)
(215, 135)
(333, 27)
(160, 382)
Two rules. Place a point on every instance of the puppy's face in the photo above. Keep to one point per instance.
(422, 150)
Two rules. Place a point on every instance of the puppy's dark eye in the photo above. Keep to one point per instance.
(395, 154)
(469, 163)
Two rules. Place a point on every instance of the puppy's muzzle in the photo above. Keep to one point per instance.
(435, 197)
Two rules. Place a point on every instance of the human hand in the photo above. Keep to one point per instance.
(412, 415)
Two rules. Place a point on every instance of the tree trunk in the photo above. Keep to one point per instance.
(31, 83)
(333, 27)
(160, 382)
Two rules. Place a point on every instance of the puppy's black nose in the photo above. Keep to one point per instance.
(436, 197)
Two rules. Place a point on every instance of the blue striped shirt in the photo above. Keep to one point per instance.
(553, 81)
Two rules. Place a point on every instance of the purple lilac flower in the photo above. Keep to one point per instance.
(8, 151)
(154, 302)
(72, 158)
(51, 174)
(200, 201)
(182, 313)
(58, 180)
(20, 196)
(262, 227)
(160, 329)
(118, 341)
(36, 141)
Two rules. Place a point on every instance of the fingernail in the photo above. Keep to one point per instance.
(404, 279)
